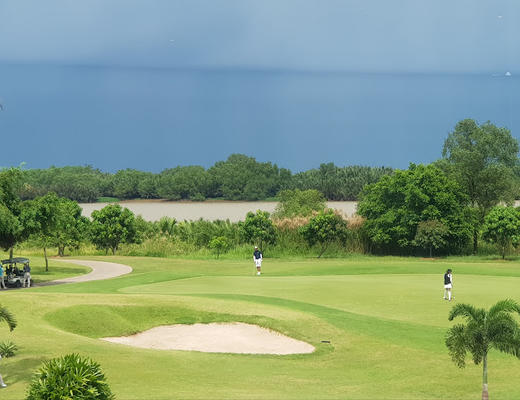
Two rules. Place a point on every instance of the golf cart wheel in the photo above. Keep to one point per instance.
(18, 284)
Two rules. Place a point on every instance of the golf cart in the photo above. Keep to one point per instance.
(13, 274)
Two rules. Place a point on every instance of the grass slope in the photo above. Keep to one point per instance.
(384, 318)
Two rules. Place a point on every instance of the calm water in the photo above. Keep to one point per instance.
(152, 210)
(150, 119)
(234, 211)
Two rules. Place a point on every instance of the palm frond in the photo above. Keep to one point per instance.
(508, 345)
(507, 305)
(468, 311)
(456, 342)
(8, 317)
(501, 324)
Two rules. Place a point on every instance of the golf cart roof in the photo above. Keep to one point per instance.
(17, 260)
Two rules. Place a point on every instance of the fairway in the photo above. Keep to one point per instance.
(383, 316)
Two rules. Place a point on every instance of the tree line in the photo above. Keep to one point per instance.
(238, 178)
(446, 207)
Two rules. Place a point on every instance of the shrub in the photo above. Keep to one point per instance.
(69, 377)
(8, 349)
(299, 203)
(219, 244)
(324, 228)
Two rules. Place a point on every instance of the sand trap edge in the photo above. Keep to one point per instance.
(235, 338)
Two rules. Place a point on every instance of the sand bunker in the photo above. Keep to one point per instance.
(215, 338)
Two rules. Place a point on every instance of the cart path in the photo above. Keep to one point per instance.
(100, 270)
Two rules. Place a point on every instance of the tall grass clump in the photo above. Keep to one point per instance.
(8, 349)
(357, 240)
(69, 377)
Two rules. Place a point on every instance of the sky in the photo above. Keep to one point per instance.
(151, 84)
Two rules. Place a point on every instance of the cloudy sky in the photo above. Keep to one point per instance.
(375, 35)
(67, 67)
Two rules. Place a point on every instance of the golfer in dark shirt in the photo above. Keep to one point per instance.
(257, 258)
(448, 284)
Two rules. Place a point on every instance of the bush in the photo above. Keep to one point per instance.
(219, 244)
(294, 203)
(8, 349)
(69, 377)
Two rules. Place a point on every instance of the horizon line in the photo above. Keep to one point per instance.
(509, 73)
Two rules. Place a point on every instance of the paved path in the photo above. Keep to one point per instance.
(100, 270)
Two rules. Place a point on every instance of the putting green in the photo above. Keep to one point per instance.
(413, 298)
(384, 317)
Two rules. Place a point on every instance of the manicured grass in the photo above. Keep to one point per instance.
(384, 318)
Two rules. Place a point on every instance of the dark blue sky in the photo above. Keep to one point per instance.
(159, 83)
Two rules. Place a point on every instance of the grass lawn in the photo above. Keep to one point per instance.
(384, 317)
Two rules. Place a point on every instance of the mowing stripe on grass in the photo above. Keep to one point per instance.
(402, 333)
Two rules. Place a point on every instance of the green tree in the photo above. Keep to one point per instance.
(431, 235)
(258, 228)
(191, 182)
(243, 178)
(338, 183)
(11, 180)
(111, 226)
(147, 186)
(11, 229)
(126, 183)
(483, 159)
(83, 184)
(71, 227)
(69, 377)
(219, 244)
(39, 217)
(394, 206)
(484, 330)
(324, 228)
(299, 203)
(54, 222)
(502, 228)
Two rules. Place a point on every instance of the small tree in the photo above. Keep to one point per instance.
(484, 329)
(324, 228)
(111, 226)
(296, 203)
(220, 244)
(502, 227)
(431, 235)
(258, 228)
(71, 226)
(69, 377)
(39, 217)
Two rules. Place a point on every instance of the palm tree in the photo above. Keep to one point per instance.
(484, 329)
(5, 315)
